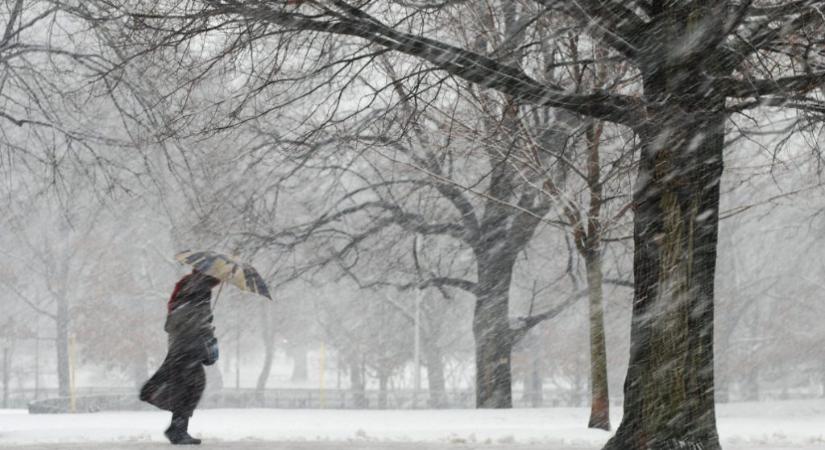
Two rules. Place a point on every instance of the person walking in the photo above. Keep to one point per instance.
(178, 384)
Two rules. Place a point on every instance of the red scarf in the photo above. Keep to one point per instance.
(172, 300)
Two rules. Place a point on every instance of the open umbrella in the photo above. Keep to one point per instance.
(226, 269)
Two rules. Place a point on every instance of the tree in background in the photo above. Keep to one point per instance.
(55, 272)
(128, 301)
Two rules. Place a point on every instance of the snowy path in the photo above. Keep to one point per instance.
(295, 446)
(338, 446)
(291, 446)
(748, 426)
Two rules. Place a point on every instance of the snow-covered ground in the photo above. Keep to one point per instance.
(774, 425)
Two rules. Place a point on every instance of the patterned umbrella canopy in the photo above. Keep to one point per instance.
(226, 269)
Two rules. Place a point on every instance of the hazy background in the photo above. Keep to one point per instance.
(110, 176)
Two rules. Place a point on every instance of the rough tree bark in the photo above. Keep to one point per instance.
(493, 336)
(669, 395)
(669, 389)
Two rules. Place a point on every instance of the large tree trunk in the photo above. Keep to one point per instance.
(669, 389)
(493, 337)
(435, 377)
(599, 398)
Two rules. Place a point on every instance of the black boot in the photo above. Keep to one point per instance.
(177, 432)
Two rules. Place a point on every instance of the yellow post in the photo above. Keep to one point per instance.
(72, 396)
(322, 368)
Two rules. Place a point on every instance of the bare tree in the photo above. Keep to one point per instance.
(495, 230)
(56, 125)
(52, 273)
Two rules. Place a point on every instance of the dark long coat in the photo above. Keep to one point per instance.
(178, 384)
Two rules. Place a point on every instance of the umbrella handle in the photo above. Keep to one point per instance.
(217, 297)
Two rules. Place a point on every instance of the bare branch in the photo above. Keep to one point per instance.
(795, 85)
(617, 25)
(471, 66)
(520, 326)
